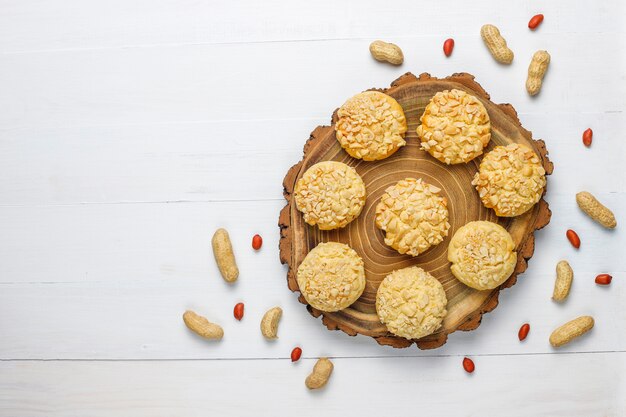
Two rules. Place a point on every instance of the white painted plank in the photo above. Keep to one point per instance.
(189, 161)
(112, 280)
(515, 386)
(70, 24)
(285, 80)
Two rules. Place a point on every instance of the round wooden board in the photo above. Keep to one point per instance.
(465, 305)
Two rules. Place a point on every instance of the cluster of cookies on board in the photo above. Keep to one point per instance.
(455, 128)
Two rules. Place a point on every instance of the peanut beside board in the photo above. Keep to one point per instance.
(563, 282)
(320, 375)
(536, 70)
(224, 255)
(596, 210)
(496, 44)
(201, 326)
(387, 52)
(571, 330)
(269, 323)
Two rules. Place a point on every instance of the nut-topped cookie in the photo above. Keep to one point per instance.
(482, 255)
(510, 180)
(413, 215)
(331, 277)
(371, 126)
(411, 303)
(330, 195)
(455, 127)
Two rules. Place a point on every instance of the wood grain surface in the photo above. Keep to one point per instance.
(465, 305)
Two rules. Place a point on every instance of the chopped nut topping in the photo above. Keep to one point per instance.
(413, 216)
(330, 195)
(331, 277)
(510, 180)
(411, 303)
(371, 126)
(455, 127)
(482, 255)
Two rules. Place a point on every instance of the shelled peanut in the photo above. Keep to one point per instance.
(571, 330)
(496, 44)
(387, 52)
(563, 282)
(224, 255)
(257, 242)
(238, 311)
(448, 46)
(201, 326)
(603, 279)
(320, 375)
(468, 365)
(523, 331)
(573, 238)
(295, 354)
(536, 71)
(587, 137)
(535, 21)
(269, 322)
(596, 210)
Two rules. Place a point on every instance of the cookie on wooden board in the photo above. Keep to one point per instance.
(330, 195)
(482, 255)
(411, 303)
(331, 277)
(455, 127)
(413, 215)
(510, 180)
(371, 126)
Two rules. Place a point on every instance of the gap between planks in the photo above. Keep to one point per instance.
(267, 41)
(591, 352)
(216, 201)
(321, 119)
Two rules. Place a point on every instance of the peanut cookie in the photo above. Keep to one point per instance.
(455, 127)
(510, 180)
(411, 303)
(371, 126)
(482, 255)
(331, 277)
(330, 195)
(413, 216)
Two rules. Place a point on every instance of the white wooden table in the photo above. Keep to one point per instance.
(131, 130)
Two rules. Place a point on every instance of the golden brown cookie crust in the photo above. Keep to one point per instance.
(371, 126)
(411, 303)
(510, 180)
(482, 255)
(413, 215)
(331, 277)
(330, 195)
(455, 127)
